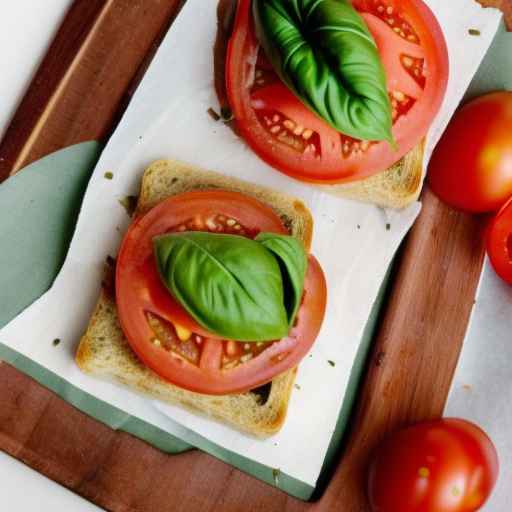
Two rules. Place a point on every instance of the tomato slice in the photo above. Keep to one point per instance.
(152, 320)
(291, 138)
(499, 242)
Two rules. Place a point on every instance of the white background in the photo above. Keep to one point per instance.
(26, 28)
(482, 386)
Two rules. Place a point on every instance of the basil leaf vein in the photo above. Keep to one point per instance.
(229, 284)
(293, 263)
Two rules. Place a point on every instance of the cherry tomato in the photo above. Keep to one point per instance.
(471, 168)
(499, 242)
(289, 137)
(448, 465)
(153, 321)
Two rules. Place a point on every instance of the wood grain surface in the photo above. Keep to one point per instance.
(78, 94)
(84, 83)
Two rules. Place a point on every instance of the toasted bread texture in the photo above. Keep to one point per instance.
(396, 187)
(104, 351)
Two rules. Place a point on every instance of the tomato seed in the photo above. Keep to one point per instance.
(407, 62)
(298, 130)
(231, 348)
(307, 134)
(392, 16)
(290, 125)
(398, 95)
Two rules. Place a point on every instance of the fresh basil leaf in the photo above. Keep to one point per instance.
(293, 263)
(324, 52)
(229, 284)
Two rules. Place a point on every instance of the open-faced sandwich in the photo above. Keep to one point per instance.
(213, 299)
(339, 93)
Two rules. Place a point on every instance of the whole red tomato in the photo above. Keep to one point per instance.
(499, 242)
(471, 168)
(447, 465)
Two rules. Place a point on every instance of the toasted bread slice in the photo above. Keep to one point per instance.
(104, 351)
(396, 187)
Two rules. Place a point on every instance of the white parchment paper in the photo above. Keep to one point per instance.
(167, 118)
(482, 387)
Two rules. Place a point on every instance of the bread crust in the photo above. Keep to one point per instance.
(103, 350)
(396, 187)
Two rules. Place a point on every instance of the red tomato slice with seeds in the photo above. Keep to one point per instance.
(499, 242)
(153, 321)
(294, 140)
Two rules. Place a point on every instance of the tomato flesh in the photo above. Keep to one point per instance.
(447, 465)
(291, 138)
(499, 242)
(471, 168)
(162, 333)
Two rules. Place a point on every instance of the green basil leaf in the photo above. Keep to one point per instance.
(293, 263)
(324, 52)
(229, 284)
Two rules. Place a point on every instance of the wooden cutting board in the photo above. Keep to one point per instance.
(83, 85)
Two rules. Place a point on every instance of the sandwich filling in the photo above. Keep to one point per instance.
(331, 91)
(210, 310)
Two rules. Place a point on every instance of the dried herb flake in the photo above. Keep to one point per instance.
(108, 175)
(129, 203)
(474, 32)
(214, 115)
